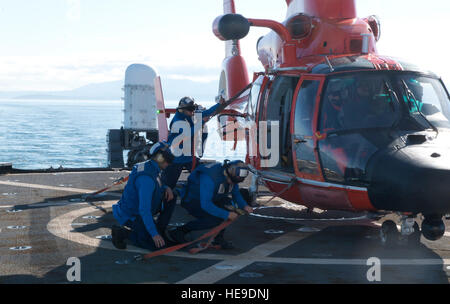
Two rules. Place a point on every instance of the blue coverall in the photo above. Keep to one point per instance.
(205, 196)
(172, 173)
(142, 199)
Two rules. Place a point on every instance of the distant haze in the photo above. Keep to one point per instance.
(173, 89)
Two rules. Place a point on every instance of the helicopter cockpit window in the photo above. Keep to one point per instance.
(425, 96)
(360, 102)
(303, 127)
(354, 110)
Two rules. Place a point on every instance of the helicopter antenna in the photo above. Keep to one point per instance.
(329, 64)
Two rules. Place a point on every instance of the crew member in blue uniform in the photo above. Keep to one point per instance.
(143, 197)
(185, 112)
(206, 197)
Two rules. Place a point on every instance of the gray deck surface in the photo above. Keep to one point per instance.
(56, 229)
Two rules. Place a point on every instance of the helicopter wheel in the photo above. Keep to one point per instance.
(389, 234)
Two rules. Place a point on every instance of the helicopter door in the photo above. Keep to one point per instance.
(277, 111)
(260, 116)
(255, 100)
(303, 121)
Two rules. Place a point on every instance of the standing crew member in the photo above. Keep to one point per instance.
(142, 199)
(206, 197)
(185, 112)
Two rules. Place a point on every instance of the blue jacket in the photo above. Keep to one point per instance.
(142, 196)
(183, 159)
(206, 183)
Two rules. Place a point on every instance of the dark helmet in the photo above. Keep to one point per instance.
(187, 103)
(237, 171)
(161, 152)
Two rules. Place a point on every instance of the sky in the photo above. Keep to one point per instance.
(49, 45)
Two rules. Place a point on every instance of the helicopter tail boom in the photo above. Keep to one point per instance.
(234, 75)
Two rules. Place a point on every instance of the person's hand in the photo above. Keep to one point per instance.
(222, 100)
(248, 209)
(232, 216)
(159, 241)
(169, 194)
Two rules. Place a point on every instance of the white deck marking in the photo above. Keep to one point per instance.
(35, 186)
(356, 262)
(61, 226)
(45, 187)
(214, 274)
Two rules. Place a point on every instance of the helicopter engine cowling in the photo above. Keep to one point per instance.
(325, 9)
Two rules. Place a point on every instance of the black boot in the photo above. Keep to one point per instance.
(119, 236)
(178, 235)
(222, 243)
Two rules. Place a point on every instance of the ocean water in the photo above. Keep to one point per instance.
(39, 134)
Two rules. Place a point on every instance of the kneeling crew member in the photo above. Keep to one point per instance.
(142, 199)
(206, 198)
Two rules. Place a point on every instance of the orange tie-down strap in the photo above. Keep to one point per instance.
(116, 183)
(212, 234)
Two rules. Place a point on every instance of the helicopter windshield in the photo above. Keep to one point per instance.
(359, 112)
(371, 100)
(425, 96)
(358, 102)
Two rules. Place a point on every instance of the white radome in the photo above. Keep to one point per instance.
(139, 74)
(140, 100)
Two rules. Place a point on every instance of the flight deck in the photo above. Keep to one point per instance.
(45, 221)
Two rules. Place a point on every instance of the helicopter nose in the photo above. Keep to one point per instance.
(412, 179)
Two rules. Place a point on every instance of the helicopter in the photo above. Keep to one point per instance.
(354, 130)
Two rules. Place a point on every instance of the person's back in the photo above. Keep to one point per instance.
(143, 198)
(213, 171)
(206, 197)
(128, 205)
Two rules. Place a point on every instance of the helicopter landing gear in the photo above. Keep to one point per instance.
(389, 234)
(414, 238)
(409, 233)
(433, 227)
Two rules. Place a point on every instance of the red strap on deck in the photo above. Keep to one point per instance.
(116, 183)
(210, 233)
